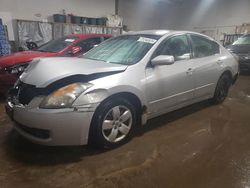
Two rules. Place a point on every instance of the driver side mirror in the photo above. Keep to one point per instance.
(74, 50)
(163, 60)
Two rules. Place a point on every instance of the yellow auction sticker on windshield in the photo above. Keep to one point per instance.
(146, 40)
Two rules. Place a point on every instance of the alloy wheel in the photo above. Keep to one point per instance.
(117, 124)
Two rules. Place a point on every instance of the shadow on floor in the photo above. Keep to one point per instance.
(20, 149)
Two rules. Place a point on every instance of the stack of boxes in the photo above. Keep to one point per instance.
(60, 18)
(4, 44)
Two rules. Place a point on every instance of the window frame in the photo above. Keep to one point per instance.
(168, 38)
(205, 38)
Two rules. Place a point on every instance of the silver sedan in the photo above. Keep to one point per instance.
(102, 97)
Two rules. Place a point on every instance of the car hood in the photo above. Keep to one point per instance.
(239, 49)
(22, 57)
(46, 71)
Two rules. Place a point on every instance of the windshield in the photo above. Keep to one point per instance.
(57, 45)
(245, 40)
(125, 49)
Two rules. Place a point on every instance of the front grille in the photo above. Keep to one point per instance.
(24, 93)
(39, 133)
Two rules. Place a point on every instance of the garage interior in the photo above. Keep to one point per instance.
(199, 146)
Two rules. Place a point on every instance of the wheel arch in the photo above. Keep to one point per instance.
(131, 97)
(227, 72)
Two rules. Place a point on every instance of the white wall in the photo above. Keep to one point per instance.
(41, 9)
(147, 14)
(183, 14)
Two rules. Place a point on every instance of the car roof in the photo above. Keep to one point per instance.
(150, 32)
(165, 32)
(160, 32)
(81, 35)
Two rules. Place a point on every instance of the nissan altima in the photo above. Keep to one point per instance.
(116, 87)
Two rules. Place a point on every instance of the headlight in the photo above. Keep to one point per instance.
(65, 96)
(17, 69)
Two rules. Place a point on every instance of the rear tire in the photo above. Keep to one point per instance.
(113, 123)
(222, 89)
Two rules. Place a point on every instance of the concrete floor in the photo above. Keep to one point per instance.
(201, 146)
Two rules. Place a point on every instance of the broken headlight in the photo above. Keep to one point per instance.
(65, 96)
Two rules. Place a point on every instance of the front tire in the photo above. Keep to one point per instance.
(222, 89)
(113, 123)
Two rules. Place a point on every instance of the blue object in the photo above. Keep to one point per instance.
(4, 49)
(4, 44)
(1, 27)
(2, 37)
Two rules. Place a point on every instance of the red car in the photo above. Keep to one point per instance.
(12, 66)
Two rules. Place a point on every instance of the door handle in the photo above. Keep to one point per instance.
(190, 71)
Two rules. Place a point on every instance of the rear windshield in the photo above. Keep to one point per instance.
(57, 45)
(124, 49)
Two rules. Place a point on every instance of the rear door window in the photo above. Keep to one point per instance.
(203, 47)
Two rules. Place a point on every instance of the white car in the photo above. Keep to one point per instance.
(117, 86)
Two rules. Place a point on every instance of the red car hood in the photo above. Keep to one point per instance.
(22, 57)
